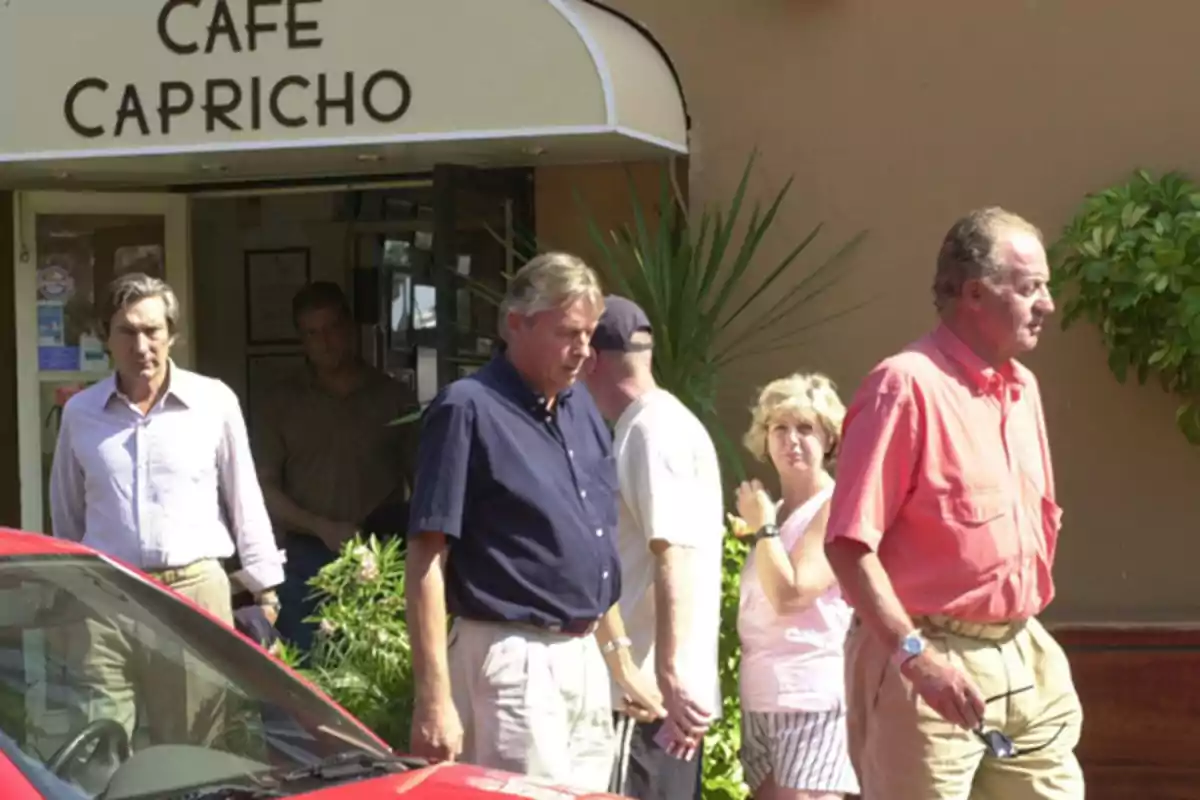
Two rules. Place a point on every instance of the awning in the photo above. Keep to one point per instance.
(268, 85)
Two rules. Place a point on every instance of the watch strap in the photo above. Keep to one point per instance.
(616, 644)
(768, 531)
(911, 646)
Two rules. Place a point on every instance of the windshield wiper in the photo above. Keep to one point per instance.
(226, 792)
(353, 764)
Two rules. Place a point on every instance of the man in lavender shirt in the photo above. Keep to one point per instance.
(153, 467)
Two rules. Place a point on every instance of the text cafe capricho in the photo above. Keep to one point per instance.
(220, 29)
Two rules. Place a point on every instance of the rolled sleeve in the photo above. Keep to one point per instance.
(262, 562)
(443, 466)
(876, 465)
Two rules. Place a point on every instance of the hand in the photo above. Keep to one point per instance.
(336, 534)
(271, 612)
(755, 506)
(268, 603)
(642, 700)
(687, 720)
(946, 689)
(437, 732)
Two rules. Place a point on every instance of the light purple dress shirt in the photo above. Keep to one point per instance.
(167, 488)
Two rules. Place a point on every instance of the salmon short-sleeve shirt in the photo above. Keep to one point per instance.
(945, 472)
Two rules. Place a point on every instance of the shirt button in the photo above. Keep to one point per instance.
(570, 454)
(605, 575)
(599, 531)
(583, 493)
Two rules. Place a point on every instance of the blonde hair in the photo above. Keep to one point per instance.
(549, 281)
(808, 396)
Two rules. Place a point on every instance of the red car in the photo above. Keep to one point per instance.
(113, 687)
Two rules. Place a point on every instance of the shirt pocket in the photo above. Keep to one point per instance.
(979, 521)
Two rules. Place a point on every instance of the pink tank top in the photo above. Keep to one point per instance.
(792, 662)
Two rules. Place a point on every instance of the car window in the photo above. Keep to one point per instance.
(110, 685)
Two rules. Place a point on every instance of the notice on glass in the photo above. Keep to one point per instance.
(52, 324)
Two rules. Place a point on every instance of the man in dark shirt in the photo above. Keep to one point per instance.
(512, 531)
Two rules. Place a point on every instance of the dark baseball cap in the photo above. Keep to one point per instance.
(621, 320)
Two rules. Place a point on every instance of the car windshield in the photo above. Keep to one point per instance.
(113, 687)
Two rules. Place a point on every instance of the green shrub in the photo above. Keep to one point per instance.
(1129, 263)
(722, 770)
(362, 657)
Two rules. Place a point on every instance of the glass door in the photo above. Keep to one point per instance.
(483, 231)
(69, 246)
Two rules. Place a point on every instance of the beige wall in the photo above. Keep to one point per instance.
(565, 197)
(897, 117)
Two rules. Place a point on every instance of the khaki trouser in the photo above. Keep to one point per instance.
(902, 750)
(533, 702)
(127, 668)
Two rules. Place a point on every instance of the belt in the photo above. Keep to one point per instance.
(573, 629)
(173, 575)
(987, 631)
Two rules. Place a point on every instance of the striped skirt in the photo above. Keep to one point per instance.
(802, 750)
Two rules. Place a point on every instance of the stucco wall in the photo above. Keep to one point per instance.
(897, 117)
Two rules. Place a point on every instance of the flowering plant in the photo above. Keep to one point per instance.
(362, 656)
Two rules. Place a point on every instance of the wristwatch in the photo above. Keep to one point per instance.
(619, 643)
(768, 531)
(910, 647)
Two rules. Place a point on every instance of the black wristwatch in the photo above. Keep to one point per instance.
(768, 531)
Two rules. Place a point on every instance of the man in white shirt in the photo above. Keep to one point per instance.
(670, 546)
(153, 467)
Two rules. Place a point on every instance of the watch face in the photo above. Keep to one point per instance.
(913, 645)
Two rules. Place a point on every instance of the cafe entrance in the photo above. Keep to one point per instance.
(241, 148)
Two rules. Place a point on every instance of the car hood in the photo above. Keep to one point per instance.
(453, 782)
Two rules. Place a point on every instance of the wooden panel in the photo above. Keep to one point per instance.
(1140, 690)
(10, 465)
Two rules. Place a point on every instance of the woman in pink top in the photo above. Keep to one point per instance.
(792, 620)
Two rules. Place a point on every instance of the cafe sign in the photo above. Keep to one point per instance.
(154, 77)
(223, 32)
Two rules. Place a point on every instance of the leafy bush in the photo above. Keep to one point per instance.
(362, 657)
(1129, 263)
(723, 778)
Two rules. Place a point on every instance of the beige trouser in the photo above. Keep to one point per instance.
(128, 669)
(533, 702)
(902, 750)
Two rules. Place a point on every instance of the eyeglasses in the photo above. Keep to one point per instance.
(999, 744)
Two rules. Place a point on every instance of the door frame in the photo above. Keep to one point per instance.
(27, 206)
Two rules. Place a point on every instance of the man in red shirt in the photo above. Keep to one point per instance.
(942, 534)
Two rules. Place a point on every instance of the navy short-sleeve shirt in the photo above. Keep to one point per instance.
(527, 497)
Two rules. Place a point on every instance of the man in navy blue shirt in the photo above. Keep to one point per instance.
(512, 532)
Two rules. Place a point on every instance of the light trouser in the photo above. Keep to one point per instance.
(533, 702)
(127, 670)
(902, 750)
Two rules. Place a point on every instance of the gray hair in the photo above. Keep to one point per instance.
(968, 250)
(132, 288)
(549, 281)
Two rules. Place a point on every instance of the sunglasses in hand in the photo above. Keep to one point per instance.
(1000, 744)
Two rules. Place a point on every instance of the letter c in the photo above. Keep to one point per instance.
(87, 131)
(164, 35)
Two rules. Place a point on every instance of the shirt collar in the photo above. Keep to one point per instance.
(180, 387)
(983, 377)
(514, 384)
